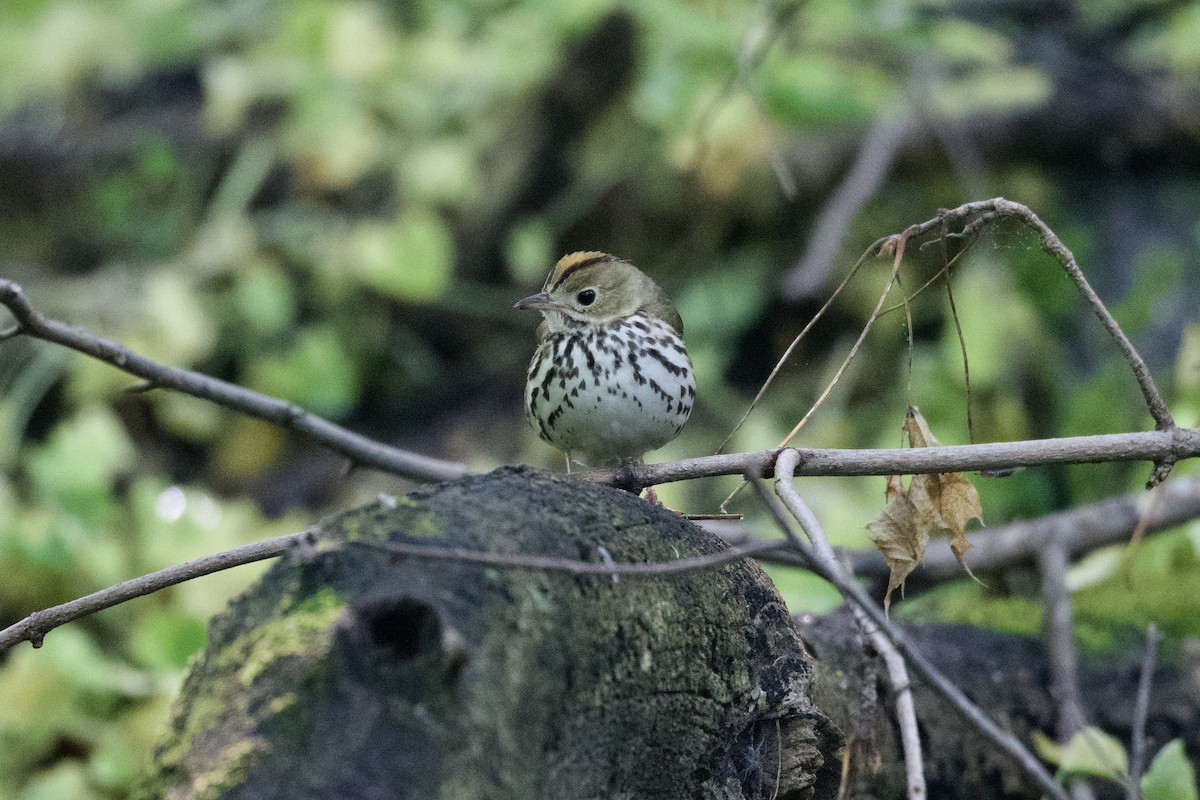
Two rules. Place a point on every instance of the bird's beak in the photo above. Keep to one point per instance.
(538, 302)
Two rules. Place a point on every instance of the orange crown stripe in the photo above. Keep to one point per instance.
(575, 261)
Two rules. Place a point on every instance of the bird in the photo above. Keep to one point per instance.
(610, 379)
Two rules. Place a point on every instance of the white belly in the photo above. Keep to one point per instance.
(630, 396)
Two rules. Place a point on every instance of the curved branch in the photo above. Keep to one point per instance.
(573, 566)
(35, 627)
(358, 448)
(897, 670)
(986, 211)
(916, 658)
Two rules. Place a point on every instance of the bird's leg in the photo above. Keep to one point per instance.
(651, 497)
(568, 455)
(627, 477)
(630, 481)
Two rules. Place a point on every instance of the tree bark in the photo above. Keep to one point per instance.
(353, 672)
(1009, 677)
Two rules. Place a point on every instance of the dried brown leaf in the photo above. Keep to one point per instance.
(938, 504)
(917, 429)
(900, 535)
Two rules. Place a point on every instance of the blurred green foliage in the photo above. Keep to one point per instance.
(338, 202)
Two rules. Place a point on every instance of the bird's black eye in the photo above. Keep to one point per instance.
(586, 297)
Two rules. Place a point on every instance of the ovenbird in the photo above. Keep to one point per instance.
(610, 379)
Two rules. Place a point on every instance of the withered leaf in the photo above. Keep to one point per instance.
(899, 535)
(937, 504)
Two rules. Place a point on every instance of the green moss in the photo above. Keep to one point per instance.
(405, 515)
(220, 717)
(422, 526)
(231, 765)
(325, 601)
(305, 631)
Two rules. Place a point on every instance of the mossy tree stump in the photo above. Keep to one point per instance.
(349, 672)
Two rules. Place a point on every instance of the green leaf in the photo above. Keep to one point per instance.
(1046, 748)
(410, 260)
(1096, 753)
(64, 781)
(77, 464)
(317, 373)
(1170, 776)
(168, 640)
(265, 298)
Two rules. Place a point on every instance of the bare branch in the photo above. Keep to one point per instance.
(917, 659)
(35, 627)
(1082, 530)
(358, 448)
(1058, 632)
(572, 566)
(986, 211)
(906, 710)
(1179, 443)
(1141, 710)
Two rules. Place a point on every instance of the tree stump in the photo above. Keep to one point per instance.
(1008, 676)
(351, 672)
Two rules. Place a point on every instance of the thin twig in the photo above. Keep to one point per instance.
(1054, 246)
(1149, 511)
(908, 341)
(917, 659)
(787, 354)
(569, 565)
(983, 212)
(898, 243)
(1141, 711)
(358, 448)
(906, 711)
(893, 245)
(943, 272)
(35, 626)
(1060, 645)
(962, 341)
(974, 216)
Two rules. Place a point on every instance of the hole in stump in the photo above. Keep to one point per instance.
(405, 628)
